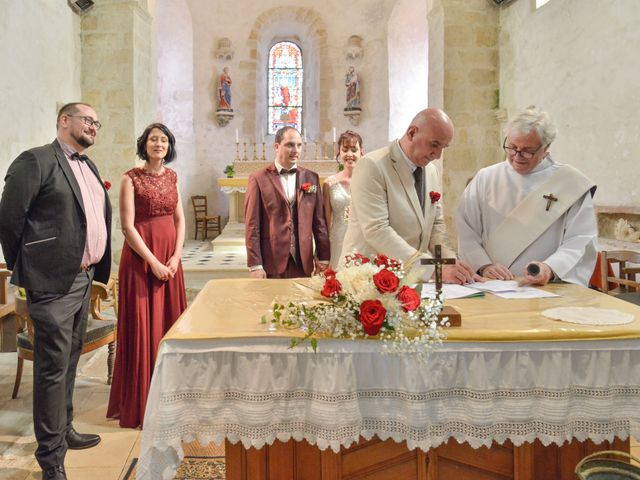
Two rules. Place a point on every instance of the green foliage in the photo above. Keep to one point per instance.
(229, 171)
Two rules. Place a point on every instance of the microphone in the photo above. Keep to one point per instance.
(533, 269)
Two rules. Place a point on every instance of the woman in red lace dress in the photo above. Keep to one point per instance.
(151, 282)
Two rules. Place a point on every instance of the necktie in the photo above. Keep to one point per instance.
(291, 171)
(418, 176)
(80, 158)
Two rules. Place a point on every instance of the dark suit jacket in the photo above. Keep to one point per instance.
(268, 221)
(43, 223)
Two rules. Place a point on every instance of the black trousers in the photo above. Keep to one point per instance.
(59, 326)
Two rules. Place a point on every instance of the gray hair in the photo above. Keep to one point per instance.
(533, 119)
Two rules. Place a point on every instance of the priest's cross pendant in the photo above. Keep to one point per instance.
(438, 261)
(549, 198)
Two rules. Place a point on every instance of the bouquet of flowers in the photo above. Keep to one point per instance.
(369, 298)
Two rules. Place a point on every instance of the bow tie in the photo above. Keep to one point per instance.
(80, 158)
(291, 171)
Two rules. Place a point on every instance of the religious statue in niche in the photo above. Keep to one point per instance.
(224, 90)
(224, 113)
(352, 109)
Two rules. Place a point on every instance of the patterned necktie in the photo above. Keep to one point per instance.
(418, 175)
(291, 171)
(80, 158)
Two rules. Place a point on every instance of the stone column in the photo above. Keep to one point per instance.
(463, 79)
(117, 79)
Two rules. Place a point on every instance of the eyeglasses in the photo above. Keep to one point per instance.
(88, 121)
(523, 153)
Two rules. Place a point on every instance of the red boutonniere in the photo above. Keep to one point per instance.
(107, 184)
(435, 196)
(308, 188)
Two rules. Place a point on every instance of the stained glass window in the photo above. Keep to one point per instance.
(285, 87)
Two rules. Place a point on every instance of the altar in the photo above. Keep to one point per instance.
(510, 386)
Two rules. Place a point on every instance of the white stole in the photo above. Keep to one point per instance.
(530, 219)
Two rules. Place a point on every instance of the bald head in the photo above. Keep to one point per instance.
(429, 133)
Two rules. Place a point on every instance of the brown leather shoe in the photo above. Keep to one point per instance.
(80, 441)
(54, 473)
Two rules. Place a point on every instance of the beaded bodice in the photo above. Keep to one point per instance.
(155, 194)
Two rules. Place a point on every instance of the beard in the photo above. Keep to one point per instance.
(83, 140)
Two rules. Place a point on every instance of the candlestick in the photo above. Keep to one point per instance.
(237, 151)
(245, 151)
(255, 151)
(316, 157)
(263, 151)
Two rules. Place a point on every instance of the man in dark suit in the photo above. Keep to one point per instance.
(55, 226)
(284, 214)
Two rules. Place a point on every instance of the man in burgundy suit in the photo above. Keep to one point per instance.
(283, 215)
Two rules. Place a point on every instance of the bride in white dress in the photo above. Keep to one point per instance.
(337, 192)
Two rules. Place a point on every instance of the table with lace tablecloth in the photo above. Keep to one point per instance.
(508, 374)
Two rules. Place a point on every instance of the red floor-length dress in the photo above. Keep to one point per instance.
(147, 307)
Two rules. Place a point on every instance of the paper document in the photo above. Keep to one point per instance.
(500, 288)
(510, 289)
(450, 291)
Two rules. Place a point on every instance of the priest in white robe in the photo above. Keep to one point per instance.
(529, 210)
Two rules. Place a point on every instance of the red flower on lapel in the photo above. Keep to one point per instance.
(107, 184)
(435, 196)
(308, 188)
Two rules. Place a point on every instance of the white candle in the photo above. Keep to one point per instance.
(334, 134)
(237, 137)
(304, 134)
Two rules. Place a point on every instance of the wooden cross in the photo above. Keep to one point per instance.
(438, 261)
(549, 198)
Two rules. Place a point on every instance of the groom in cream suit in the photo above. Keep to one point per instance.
(395, 198)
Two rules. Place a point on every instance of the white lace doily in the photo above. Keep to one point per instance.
(589, 315)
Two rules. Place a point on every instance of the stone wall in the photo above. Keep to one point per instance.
(578, 60)
(40, 50)
(463, 79)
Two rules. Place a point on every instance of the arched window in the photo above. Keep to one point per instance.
(285, 74)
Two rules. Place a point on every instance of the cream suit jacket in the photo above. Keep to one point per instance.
(385, 212)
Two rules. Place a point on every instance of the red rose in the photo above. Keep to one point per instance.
(358, 257)
(308, 188)
(329, 273)
(372, 315)
(381, 260)
(435, 196)
(331, 287)
(107, 184)
(409, 298)
(386, 281)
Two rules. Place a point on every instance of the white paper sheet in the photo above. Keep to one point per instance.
(450, 291)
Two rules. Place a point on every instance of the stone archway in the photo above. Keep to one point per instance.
(305, 27)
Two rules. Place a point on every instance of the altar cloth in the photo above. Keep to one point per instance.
(511, 374)
(232, 308)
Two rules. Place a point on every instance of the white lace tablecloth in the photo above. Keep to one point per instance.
(259, 390)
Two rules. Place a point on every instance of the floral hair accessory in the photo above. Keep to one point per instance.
(435, 196)
(370, 297)
(107, 184)
(308, 188)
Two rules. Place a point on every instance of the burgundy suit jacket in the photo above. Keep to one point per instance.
(268, 221)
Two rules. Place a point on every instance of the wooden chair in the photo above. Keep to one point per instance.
(100, 331)
(7, 306)
(628, 263)
(204, 221)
